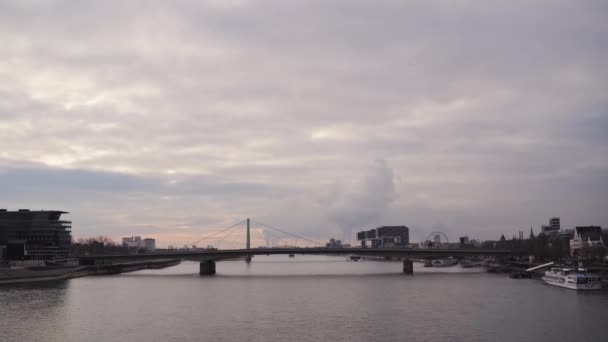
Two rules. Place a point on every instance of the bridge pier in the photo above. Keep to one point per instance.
(408, 266)
(207, 267)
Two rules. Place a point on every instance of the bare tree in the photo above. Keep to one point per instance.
(101, 239)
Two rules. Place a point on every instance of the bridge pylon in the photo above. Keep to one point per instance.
(248, 258)
(248, 235)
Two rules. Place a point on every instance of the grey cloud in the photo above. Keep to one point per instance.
(114, 203)
(19, 179)
(363, 204)
(276, 108)
(31, 179)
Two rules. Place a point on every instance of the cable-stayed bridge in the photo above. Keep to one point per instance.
(208, 257)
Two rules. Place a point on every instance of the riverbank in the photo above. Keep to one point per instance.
(52, 273)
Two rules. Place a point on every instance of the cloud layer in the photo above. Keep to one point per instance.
(320, 117)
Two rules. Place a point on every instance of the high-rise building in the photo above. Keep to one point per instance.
(34, 234)
(554, 223)
(552, 228)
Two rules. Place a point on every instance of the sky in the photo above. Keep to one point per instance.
(174, 119)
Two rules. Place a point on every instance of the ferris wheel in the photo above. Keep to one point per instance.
(440, 234)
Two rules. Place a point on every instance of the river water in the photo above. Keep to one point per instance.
(306, 298)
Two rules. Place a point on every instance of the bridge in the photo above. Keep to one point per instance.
(209, 257)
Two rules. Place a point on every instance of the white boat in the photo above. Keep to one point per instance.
(445, 262)
(572, 279)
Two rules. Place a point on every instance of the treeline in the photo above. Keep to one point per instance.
(96, 245)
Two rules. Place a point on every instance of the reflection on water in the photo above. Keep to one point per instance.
(30, 312)
(310, 298)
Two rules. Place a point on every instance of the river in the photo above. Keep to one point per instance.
(306, 298)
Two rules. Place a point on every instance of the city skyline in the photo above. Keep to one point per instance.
(324, 118)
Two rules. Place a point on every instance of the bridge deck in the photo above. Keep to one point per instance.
(218, 254)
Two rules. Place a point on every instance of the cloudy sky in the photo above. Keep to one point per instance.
(173, 119)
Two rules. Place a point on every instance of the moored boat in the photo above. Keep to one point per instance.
(575, 279)
(471, 262)
(444, 262)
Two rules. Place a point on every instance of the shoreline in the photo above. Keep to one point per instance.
(51, 273)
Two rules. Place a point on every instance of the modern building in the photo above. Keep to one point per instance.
(136, 242)
(333, 243)
(385, 236)
(585, 238)
(133, 242)
(34, 234)
(149, 245)
(553, 227)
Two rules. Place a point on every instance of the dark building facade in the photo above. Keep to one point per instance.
(34, 235)
(385, 236)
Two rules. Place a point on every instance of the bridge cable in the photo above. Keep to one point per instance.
(216, 233)
(227, 235)
(287, 233)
